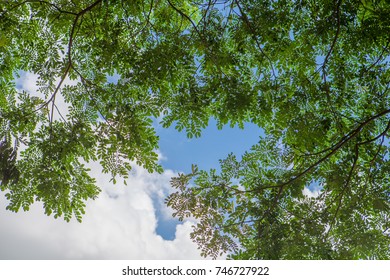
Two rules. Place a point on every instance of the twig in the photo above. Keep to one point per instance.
(187, 17)
(53, 96)
(335, 37)
(341, 195)
(377, 137)
(379, 58)
(249, 25)
(335, 148)
(196, 30)
(69, 54)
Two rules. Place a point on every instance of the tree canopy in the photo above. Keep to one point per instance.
(313, 74)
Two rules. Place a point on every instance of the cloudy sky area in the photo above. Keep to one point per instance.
(124, 222)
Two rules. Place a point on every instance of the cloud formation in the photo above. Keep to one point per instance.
(120, 224)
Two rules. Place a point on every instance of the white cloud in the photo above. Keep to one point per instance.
(27, 81)
(311, 193)
(120, 224)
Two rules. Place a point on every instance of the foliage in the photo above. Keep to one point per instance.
(313, 74)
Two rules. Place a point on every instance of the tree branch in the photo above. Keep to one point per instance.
(341, 195)
(187, 17)
(42, 2)
(249, 25)
(71, 36)
(201, 37)
(69, 54)
(334, 150)
(377, 137)
(53, 96)
(379, 58)
(335, 37)
(53, 5)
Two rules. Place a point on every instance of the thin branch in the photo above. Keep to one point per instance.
(13, 7)
(196, 30)
(334, 150)
(335, 37)
(329, 101)
(69, 65)
(147, 19)
(90, 7)
(377, 137)
(360, 143)
(341, 195)
(188, 18)
(205, 14)
(237, 223)
(53, 5)
(71, 36)
(84, 81)
(249, 25)
(379, 58)
(61, 116)
(70, 42)
(53, 96)
(317, 153)
(326, 86)
(228, 16)
(378, 151)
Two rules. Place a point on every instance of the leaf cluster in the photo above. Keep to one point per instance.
(314, 75)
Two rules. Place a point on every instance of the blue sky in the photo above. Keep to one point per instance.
(206, 151)
(214, 144)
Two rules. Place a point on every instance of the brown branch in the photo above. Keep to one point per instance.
(360, 143)
(326, 86)
(53, 96)
(85, 81)
(53, 5)
(378, 151)
(377, 137)
(334, 150)
(41, 2)
(317, 153)
(90, 7)
(147, 19)
(69, 65)
(70, 42)
(379, 58)
(71, 36)
(205, 15)
(341, 195)
(201, 37)
(249, 25)
(13, 7)
(335, 37)
(329, 101)
(187, 17)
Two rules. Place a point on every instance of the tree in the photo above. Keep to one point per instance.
(313, 74)
(322, 97)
